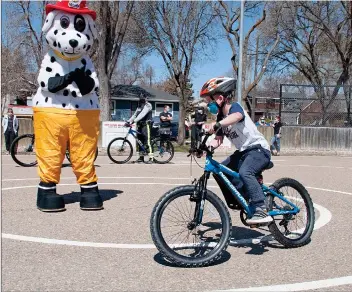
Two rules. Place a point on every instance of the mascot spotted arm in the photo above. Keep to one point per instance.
(66, 106)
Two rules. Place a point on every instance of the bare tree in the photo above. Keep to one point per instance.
(179, 31)
(229, 16)
(149, 75)
(22, 36)
(13, 69)
(313, 40)
(128, 71)
(112, 22)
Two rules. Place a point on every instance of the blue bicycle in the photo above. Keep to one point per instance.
(191, 226)
(120, 150)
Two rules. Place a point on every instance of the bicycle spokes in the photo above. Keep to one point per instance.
(291, 225)
(184, 233)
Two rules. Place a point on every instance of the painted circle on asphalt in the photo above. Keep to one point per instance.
(324, 218)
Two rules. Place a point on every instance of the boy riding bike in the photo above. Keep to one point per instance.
(253, 154)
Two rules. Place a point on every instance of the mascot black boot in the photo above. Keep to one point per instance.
(48, 200)
(90, 197)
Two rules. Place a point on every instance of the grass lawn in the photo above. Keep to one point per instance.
(184, 148)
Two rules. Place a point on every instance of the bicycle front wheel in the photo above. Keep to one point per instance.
(176, 236)
(120, 150)
(163, 150)
(22, 150)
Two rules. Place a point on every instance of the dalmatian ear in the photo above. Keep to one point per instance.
(49, 20)
(92, 27)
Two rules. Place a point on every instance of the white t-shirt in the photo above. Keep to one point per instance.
(244, 134)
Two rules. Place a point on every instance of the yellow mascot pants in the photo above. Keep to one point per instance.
(57, 129)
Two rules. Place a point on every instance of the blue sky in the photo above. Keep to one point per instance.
(202, 71)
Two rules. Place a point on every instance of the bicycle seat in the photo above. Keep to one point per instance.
(269, 166)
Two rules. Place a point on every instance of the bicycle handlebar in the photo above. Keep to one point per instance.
(203, 146)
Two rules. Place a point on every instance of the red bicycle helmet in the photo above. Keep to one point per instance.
(218, 85)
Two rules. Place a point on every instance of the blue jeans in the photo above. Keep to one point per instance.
(248, 164)
(275, 143)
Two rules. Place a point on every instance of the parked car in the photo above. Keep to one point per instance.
(174, 128)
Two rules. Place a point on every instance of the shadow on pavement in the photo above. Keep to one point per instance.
(162, 261)
(74, 197)
(243, 233)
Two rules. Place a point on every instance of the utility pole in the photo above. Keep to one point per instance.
(239, 81)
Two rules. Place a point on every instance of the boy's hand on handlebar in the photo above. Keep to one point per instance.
(214, 144)
(214, 127)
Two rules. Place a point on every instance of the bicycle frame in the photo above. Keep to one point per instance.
(212, 166)
(134, 133)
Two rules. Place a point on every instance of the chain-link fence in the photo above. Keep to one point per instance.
(319, 106)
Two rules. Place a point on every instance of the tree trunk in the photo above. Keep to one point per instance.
(104, 96)
(181, 122)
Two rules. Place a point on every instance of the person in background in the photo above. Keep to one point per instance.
(199, 119)
(262, 121)
(143, 118)
(10, 126)
(165, 117)
(275, 141)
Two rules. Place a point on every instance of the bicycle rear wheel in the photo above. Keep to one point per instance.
(292, 230)
(163, 150)
(22, 150)
(120, 150)
(182, 242)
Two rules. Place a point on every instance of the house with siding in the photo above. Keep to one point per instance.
(124, 101)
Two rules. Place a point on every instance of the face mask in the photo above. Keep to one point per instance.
(213, 108)
(200, 111)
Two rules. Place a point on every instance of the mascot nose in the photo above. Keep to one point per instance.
(73, 43)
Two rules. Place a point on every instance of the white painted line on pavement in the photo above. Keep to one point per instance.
(301, 286)
(109, 177)
(324, 218)
(113, 245)
(307, 165)
(147, 177)
(327, 190)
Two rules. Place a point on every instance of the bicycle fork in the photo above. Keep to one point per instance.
(199, 197)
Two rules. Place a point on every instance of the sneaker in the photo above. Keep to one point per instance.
(259, 217)
(150, 161)
(140, 160)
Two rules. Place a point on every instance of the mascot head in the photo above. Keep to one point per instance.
(69, 27)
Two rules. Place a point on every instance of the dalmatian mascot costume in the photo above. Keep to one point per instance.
(66, 106)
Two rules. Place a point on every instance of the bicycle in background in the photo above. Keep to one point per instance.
(22, 151)
(120, 149)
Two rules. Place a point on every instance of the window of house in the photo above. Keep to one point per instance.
(134, 105)
(113, 107)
